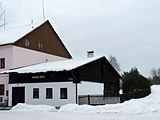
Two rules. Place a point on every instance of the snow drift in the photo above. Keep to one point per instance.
(148, 104)
(33, 108)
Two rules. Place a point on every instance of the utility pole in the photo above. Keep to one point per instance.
(4, 20)
(43, 10)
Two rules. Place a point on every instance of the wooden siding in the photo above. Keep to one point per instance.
(100, 71)
(62, 76)
(49, 39)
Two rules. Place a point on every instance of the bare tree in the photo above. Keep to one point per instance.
(114, 63)
(154, 73)
(155, 76)
(2, 14)
(158, 72)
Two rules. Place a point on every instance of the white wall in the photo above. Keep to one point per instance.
(55, 101)
(6, 52)
(90, 88)
(19, 57)
(4, 80)
(24, 57)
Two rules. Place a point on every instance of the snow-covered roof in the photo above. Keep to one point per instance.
(11, 35)
(54, 66)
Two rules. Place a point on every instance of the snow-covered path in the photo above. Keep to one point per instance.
(6, 115)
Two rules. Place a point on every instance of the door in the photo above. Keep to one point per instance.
(18, 95)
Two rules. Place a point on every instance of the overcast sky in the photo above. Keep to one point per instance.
(126, 29)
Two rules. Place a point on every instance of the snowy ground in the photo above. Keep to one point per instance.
(140, 109)
(74, 116)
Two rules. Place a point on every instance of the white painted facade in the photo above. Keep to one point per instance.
(84, 88)
(55, 101)
(4, 81)
(18, 57)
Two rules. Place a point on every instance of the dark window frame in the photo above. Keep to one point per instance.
(2, 63)
(49, 93)
(63, 93)
(1, 99)
(1, 89)
(35, 93)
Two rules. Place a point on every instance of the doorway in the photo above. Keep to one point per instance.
(18, 95)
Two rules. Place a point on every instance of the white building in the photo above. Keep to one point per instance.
(89, 81)
(28, 45)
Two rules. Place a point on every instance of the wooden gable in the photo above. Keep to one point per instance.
(44, 39)
(100, 71)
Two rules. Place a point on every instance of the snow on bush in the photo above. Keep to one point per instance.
(148, 104)
(35, 108)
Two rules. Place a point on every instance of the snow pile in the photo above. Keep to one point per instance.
(149, 104)
(34, 108)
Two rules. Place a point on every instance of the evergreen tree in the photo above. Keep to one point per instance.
(133, 81)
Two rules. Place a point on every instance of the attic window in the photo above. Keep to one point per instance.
(26, 43)
(40, 45)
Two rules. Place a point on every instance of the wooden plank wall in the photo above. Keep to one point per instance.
(50, 41)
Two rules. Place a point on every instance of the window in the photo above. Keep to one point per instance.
(36, 93)
(63, 93)
(2, 62)
(1, 89)
(48, 93)
(26, 43)
(40, 45)
(6, 92)
(1, 99)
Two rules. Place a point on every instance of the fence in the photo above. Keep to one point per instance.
(135, 95)
(97, 100)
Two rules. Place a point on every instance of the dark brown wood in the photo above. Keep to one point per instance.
(45, 35)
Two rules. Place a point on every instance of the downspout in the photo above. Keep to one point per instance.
(76, 86)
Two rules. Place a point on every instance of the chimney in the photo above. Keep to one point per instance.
(32, 23)
(90, 54)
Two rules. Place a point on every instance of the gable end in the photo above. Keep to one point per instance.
(44, 39)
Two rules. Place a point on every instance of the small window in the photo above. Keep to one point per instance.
(36, 93)
(6, 92)
(1, 89)
(40, 45)
(2, 62)
(1, 99)
(26, 43)
(63, 92)
(48, 93)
